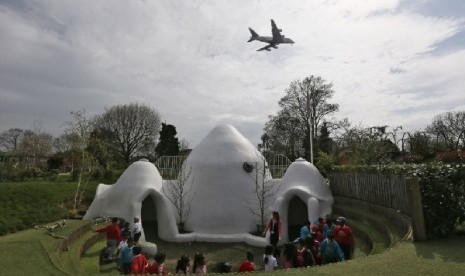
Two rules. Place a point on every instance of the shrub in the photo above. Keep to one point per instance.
(442, 188)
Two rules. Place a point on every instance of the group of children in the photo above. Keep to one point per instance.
(319, 243)
(327, 241)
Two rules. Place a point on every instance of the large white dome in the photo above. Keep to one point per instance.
(222, 187)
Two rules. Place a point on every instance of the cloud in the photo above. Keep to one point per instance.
(190, 61)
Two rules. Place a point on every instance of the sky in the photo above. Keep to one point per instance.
(391, 62)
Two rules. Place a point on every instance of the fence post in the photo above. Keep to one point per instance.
(418, 220)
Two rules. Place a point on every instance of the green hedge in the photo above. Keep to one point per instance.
(442, 188)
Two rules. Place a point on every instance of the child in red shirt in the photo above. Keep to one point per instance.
(139, 261)
(113, 237)
(344, 237)
(158, 266)
(248, 264)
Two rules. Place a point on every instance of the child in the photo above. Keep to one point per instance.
(269, 260)
(183, 265)
(113, 237)
(330, 251)
(123, 244)
(126, 230)
(303, 256)
(248, 264)
(305, 230)
(344, 237)
(328, 228)
(158, 266)
(137, 230)
(200, 264)
(289, 255)
(126, 257)
(139, 261)
(317, 234)
(312, 244)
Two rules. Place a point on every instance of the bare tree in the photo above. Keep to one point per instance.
(10, 139)
(180, 193)
(130, 129)
(264, 191)
(450, 128)
(79, 130)
(307, 103)
(36, 143)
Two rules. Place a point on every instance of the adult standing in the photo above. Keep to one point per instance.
(274, 226)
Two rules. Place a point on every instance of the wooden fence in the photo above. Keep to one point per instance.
(389, 191)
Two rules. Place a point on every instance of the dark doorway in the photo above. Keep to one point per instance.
(149, 219)
(296, 217)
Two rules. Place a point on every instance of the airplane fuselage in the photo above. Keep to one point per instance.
(269, 39)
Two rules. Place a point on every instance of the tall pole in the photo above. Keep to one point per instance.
(309, 121)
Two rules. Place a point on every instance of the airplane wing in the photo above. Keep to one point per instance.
(267, 47)
(277, 38)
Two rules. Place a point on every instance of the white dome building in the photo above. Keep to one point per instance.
(222, 186)
(221, 193)
(303, 195)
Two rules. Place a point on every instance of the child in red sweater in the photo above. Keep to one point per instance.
(113, 237)
(158, 266)
(139, 261)
(248, 264)
(344, 237)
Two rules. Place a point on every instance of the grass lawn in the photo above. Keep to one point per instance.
(25, 204)
(34, 252)
(25, 253)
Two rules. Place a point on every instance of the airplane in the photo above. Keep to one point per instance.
(272, 41)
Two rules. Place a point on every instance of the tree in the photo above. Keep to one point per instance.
(180, 193)
(265, 189)
(10, 139)
(168, 143)
(68, 146)
(130, 129)
(306, 101)
(79, 131)
(36, 143)
(362, 145)
(420, 143)
(98, 148)
(324, 141)
(284, 134)
(449, 128)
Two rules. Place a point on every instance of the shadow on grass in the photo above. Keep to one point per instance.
(449, 250)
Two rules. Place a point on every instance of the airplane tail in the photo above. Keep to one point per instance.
(254, 35)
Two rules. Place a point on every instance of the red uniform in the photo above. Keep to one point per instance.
(317, 233)
(156, 269)
(139, 264)
(246, 266)
(344, 235)
(113, 232)
(345, 238)
(314, 249)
